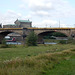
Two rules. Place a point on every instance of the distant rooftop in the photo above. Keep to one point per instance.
(24, 21)
(11, 24)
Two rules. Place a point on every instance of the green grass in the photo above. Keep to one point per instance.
(66, 67)
(51, 40)
(22, 52)
(38, 60)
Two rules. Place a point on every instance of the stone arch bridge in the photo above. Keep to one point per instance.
(70, 32)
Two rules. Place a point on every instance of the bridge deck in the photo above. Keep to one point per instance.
(51, 28)
(35, 28)
(11, 28)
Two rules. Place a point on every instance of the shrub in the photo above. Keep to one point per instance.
(4, 45)
(31, 39)
(63, 42)
(3, 42)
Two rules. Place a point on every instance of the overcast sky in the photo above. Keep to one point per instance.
(42, 13)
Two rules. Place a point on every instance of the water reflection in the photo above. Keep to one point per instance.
(50, 43)
(16, 43)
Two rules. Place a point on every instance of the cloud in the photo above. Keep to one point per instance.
(53, 8)
(40, 6)
(50, 23)
(28, 17)
(9, 17)
(63, 25)
(46, 23)
(22, 6)
(42, 12)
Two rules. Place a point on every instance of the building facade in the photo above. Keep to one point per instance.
(23, 23)
(10, 26)
(19, 24)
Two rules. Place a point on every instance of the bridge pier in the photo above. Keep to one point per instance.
(1, 38)
(40, 40)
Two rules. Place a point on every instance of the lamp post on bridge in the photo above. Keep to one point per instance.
(74, 25)
(46, 25)
(59, 23)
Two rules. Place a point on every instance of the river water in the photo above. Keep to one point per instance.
(50, 43)
(15, 43)
(18, 43)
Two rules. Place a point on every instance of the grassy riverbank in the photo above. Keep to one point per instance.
(70, 41)
(38, 60)
(22, 52)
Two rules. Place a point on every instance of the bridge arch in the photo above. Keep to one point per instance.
(64, 31)
(45, 33)
(48, 32)
(5, 33)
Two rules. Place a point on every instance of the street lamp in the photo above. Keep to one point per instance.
(59, 23)
(74, 25)
(46, 25)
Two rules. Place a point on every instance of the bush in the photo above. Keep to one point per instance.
(63, 42)
(3, 42)
(31, 39)
(71, 41)
(4, 45)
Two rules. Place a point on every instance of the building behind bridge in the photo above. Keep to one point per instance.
(19, 24)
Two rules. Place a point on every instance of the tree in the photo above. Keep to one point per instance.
(31, 39)
(58, 34)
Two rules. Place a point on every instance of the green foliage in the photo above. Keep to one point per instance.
(65, 67)
(63, 41)
(31, 39)
(43, 64)
(53, 35)
(7, 46)
(4, 45)
(71, 41)
(58, 34)
(3, 42)
(21, 51)
(49, 37)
